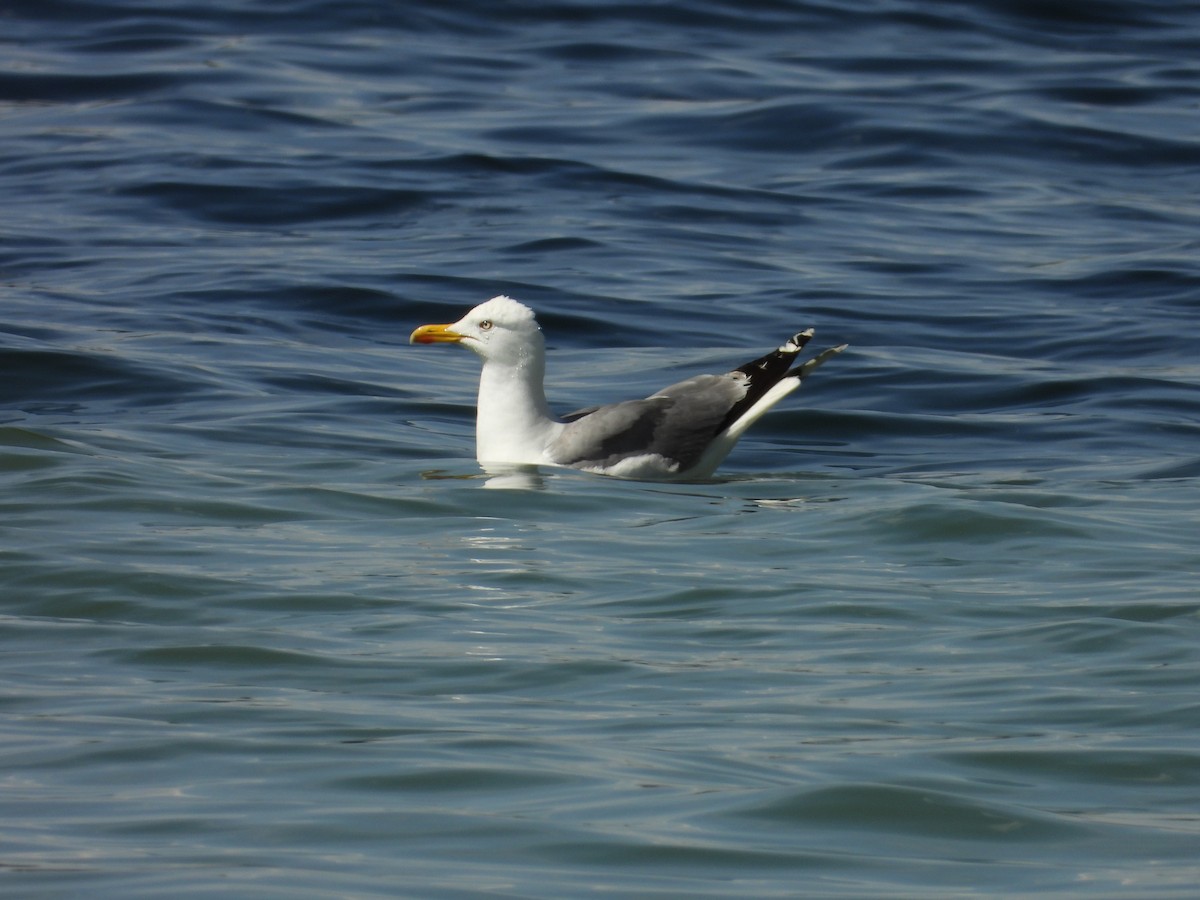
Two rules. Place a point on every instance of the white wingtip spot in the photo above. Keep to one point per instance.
(797, 341)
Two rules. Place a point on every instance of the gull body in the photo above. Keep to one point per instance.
(682, 432)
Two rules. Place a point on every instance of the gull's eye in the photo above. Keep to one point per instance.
(485, 325)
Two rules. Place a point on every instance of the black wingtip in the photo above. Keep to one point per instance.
(796, 342)
(774, 365)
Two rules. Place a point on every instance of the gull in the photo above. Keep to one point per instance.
(681, 433)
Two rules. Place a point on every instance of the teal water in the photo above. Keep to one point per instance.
(266, 629)
(303, 673)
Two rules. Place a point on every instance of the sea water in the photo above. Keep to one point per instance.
(269, 631)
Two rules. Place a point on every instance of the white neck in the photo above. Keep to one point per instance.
(513, 423)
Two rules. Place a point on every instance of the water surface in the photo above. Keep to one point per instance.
(269, 630)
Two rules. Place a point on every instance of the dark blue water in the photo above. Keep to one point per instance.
(266, 631)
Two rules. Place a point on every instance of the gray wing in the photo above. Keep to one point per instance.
(677, 423)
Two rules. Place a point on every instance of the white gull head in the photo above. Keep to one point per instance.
(502, 331)
(513, 423)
